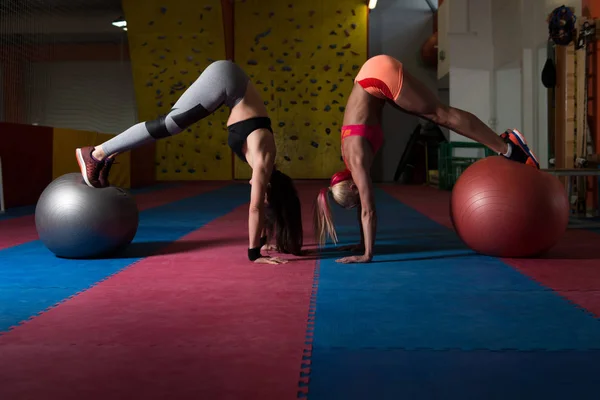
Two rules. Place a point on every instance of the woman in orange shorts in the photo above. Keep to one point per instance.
(382, 79)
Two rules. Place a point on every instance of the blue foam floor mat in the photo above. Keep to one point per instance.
(384, 330)
(449, 375)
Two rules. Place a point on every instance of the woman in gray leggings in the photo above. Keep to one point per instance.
(251, 139)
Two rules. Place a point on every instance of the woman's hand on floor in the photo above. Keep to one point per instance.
(270, 260)
(354, 259)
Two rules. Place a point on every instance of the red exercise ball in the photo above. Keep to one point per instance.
(503, 208)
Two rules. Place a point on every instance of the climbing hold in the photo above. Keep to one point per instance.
(281, 124)
(313, 80)
(286, 158)
(332, 46)
(314, 144)
(334, 88)
(353, 26)
(252, 62)
(333, 33)
(163, 10)
(339, 53)
(327, 131)
(326, 68)
(293, 137)
(342, 108)
(327, 108)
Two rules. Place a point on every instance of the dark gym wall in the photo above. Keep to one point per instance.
(13, 59)
(399, 29)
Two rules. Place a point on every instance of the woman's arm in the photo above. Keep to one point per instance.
(368, 216)
(261, 174)
(260, 179)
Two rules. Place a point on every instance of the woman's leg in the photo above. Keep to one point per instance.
(218, 84)
(416, 98)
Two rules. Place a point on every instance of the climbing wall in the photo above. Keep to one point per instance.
(303, 56)
(170, 44)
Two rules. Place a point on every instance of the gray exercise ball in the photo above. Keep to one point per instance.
(74, 220)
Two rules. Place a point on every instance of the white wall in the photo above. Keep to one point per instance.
(90, 95)
(474, 96)
(508, 104)
(399, 29)
(470, 34)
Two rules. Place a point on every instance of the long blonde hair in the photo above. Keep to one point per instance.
(341, 188)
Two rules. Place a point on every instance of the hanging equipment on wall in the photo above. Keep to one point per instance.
(561, 25)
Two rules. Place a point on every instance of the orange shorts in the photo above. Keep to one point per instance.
(381, 76)
(373, 134)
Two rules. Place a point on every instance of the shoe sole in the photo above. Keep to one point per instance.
(523, 144)
(82, 167)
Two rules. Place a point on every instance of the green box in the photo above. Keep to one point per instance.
(450, 165)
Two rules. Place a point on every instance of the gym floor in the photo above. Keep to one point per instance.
(181, 314)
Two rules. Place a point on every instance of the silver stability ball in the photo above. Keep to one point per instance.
(74, 220)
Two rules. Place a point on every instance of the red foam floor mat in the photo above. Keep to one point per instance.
(201, 324)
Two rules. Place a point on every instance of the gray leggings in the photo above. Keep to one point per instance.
(222, 82)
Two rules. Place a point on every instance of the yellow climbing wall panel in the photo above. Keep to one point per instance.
(303, 57)
(171, 43)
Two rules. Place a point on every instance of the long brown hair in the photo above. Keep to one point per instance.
(284, 214)
(341, 189)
